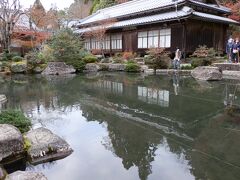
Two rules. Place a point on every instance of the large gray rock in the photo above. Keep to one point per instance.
(11, 143)
(117, 67)
(19, 67)
(207, 73)
(92, 67)
(46, 146)
(58, 68)
(25, 175)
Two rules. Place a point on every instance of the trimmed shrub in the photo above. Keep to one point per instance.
(187, 67)
(17, 58)
(79, 65)
(7, 56)
(128, 55)
(132, 66)
(203, 56)
(158, 58)
(15, 118)
(90, 59)
(200, 62)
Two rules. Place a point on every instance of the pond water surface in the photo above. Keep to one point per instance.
(130, 126)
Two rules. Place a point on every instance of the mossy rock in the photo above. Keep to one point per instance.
(19, 67)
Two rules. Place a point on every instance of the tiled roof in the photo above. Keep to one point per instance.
(145, 20)
(213, 6)
(139, 6)
(214, 18)
(128, 8)
(185, 12)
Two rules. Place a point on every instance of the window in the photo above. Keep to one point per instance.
(95, 44)
(116, 41)
(165, 38)
(87, 43)
(153, 39)
(142, 39)
(106, 43)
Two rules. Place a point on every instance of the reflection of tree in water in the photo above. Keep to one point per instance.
(135, 145)
(218, 154)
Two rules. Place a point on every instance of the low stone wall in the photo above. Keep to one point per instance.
(231, 75)
(169, 72)
(227, 66)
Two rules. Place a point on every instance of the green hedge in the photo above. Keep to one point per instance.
(132, 67)
(15, 118)
(90, 59)
(17, 58)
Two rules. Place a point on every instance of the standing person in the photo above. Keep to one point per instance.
(236, 48)
(229, 49)
(177, 58)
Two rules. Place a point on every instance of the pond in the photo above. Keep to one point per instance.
(132, 126)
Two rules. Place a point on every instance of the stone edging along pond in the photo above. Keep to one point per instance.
(37, 146)
(227, 70)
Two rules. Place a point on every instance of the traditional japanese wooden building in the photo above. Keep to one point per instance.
(138, 25)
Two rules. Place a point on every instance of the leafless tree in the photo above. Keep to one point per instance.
(10, 11)
(99, 30)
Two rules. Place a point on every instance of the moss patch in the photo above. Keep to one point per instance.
(15, 118)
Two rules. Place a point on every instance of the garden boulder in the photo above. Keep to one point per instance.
(117, 67)
(58, 68)
(19, 67)
(46, 146)
(39, 69)
(92, 67)
(11, 143)
(207, 73)
(25, 175)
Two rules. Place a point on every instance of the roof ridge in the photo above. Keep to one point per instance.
(117, 5)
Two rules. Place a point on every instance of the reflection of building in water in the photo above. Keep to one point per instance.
(176, 83)
(230, 95)
(153, 96)
(110, 86)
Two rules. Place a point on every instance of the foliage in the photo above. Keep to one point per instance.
(17, 58)
(33, 58)
(235, 8)
(187, 67)
(15, 118)
(204, 52)
(8, 56)
(47, 53)
(78, 64)
(117, 58)
(27, 144)
(158, 58)
(200, 62)
(132, 66)
(66, 46)
(128, 55)
(100, 4)
(90, 58)
(203, 56)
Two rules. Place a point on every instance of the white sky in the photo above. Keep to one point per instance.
(61, 4)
